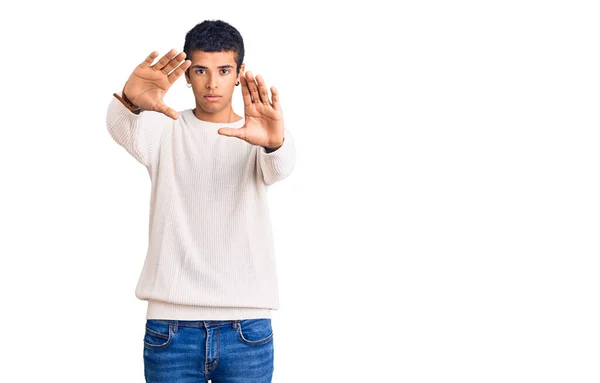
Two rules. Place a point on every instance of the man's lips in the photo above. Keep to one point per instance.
(212, 97)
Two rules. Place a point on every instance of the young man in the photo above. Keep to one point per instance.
(209, 275)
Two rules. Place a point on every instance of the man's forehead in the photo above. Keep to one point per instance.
(213, 58)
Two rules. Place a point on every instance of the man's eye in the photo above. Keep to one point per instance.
(224, 71)
(200, 71)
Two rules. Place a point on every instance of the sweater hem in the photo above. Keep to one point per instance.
(172, 311)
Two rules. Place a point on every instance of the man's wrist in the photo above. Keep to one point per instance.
(127, 103)
(270, 150)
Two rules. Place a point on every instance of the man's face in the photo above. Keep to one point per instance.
(213, 76)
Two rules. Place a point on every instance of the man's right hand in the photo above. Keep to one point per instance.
(148, 83)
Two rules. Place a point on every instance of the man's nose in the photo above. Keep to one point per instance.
(211, 83)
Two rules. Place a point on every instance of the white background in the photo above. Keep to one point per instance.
(441, 224)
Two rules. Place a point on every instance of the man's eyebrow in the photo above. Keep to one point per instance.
(220, 67)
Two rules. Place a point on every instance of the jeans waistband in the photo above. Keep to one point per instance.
(175, 324)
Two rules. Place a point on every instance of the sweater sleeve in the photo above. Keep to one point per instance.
(279, 164)
(138, 133)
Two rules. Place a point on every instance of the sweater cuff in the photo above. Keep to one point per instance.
(279, 164)
(121, 112)
(124, 126)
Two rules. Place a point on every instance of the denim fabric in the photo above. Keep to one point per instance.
(227, 351)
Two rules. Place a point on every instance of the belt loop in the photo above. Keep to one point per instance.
(235, 324)
(175, 326)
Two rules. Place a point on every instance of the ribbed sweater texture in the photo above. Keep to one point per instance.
(210, 252)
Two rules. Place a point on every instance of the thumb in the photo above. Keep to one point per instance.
(232, 132)
(169, 112)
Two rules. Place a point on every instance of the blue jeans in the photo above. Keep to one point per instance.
(225, 351)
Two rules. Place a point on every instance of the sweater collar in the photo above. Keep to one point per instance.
(194, 121)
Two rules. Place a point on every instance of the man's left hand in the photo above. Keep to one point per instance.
(263, 117)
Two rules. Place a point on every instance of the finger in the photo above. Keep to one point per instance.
(275, 96)
(245, 91)
(174, 63)
(164, 60)
(169, 112)
(252, 87)
(179, 71)
(262, 90)
(149, 60)
(233, 132)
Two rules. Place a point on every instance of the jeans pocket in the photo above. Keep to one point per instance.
(255, 332)
(158, 334)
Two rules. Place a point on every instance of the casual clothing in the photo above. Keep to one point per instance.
(196, 351)
(210, 251)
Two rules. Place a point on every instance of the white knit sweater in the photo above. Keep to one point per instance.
(210, 250)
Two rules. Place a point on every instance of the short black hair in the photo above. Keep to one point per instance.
(215, 36)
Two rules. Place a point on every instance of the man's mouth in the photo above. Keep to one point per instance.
(212, 97)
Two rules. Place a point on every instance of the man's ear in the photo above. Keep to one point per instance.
(242, 69)
(187, 78)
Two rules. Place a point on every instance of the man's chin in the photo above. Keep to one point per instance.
(210, 109)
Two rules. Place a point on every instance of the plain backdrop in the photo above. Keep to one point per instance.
(441, 224)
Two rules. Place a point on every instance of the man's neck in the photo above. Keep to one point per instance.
(225, 116)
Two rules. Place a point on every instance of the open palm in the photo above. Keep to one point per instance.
(148, 83)
(263, 118)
